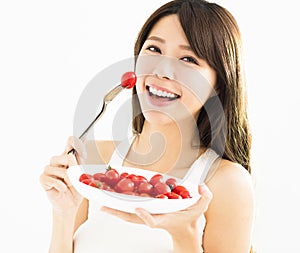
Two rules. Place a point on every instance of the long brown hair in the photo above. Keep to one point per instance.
(214, 36)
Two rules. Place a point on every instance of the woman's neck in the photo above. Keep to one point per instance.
(166, 147)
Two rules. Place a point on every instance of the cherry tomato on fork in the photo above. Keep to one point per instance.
(128, 80)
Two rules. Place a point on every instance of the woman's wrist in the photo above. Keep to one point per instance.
(187, 241)
(62, 231)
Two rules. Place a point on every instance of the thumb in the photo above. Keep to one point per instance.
(74, 160)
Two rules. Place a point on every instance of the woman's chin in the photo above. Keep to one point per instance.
(158, 118)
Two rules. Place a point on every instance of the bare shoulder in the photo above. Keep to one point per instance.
(100, 151)
(230, 176)
(230, 214)
(232, 187)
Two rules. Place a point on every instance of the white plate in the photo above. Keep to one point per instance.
(128, 203)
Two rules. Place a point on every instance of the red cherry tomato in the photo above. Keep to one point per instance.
(145, 187)
(90, 182)
(100, 176)
(185, 194)
(112, 177)
(133, 184)
(172, 195)
(128, 80)
(137, 179)
(157, 178)
(104, 186)
(124, 175)
(171, 182)
(124, 185)
(179, 189)
(161, 188)
(84, 176)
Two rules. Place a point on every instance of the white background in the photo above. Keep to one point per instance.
(50, 50)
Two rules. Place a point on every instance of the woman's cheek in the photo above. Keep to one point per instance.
(140, 87)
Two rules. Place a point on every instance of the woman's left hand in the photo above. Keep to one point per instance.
(171, 222)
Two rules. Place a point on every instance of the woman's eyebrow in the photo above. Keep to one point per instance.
(161, 40)
(156, 38)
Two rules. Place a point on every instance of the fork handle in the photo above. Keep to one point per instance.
(73, 151)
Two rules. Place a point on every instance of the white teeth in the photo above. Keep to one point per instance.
(161, 93)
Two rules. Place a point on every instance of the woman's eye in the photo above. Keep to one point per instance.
(190, 59)
(154, 49)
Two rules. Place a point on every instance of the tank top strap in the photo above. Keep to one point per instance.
(121, 151)
(199, 170)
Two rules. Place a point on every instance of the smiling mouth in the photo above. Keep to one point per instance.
(161, 94)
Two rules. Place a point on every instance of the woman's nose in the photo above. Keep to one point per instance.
(165, 68)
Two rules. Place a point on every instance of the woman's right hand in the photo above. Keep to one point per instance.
(54, 179)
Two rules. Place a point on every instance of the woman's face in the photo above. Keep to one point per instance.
(173, 83)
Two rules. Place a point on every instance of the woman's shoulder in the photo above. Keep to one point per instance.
(232, 186)
(230, 172)
(100, 151)
(230, 215)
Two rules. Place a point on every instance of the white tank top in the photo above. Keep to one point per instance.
(105, 233)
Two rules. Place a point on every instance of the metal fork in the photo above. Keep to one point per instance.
(106, 100)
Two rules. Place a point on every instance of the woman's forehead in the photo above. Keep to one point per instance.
(169, 28)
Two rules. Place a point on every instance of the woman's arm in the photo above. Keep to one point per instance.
(70, 209)
(64, 225)
(231, 212)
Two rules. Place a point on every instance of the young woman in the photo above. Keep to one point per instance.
(195, 132)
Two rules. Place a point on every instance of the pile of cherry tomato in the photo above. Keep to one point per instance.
(132, 184)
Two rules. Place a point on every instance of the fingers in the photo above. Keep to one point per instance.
(59, 173)
(78, 145)
(63, 161)
(54, 175)
(148, 219)
(205, 192)
(60, 161)
(55, 178)
(49, 183)
(202, 204)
